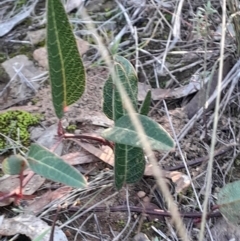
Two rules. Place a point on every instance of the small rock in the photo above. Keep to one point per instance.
(77, 132)
(36, 132)
(141, 237)
(65, 123)
(49, 138)
(141, 194)
(28, 69)
(37, 36)
(73, 4)
(21, 86)
(146, 199)
(82, 45)
(40, 55)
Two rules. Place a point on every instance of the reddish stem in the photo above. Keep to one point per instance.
(60, 131)
(156, 212)
(17, 193)
(89, 137)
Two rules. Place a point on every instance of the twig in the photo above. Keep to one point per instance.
(93, 137)
(200, 160)
(156, 212)
(51, 238)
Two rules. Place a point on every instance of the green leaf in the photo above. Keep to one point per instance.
(67, 74)
(51, 166)
(112, 103)
(42, 235)
(144, 109)
(129, 164)
(114, 48)
(14, 165)
(124, 133)
(229, 202)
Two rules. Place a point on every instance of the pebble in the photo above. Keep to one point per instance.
(37, 36)
(146, 199)
(141, 237)
(48, 139)
(77, 132)
(141, 194)
(65, 123)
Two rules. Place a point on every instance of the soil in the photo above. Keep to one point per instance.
(195, 144)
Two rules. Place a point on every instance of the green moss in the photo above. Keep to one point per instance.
(12, 121)
(71, 128)
(121, 224)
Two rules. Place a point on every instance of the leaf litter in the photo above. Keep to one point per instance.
(193, 143)
(10, 183)
(30, 226)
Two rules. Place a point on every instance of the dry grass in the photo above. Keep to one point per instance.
(168, 43)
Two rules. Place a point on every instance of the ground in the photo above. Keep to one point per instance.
(168, 61)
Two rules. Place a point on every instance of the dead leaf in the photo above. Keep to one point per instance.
(180, 179)
(9, 184)
(30, 226)
(77, 158)
(159, 94)
(98, 119)
(105, 153)
(41, 202)
(33, 185)
(60, 192)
